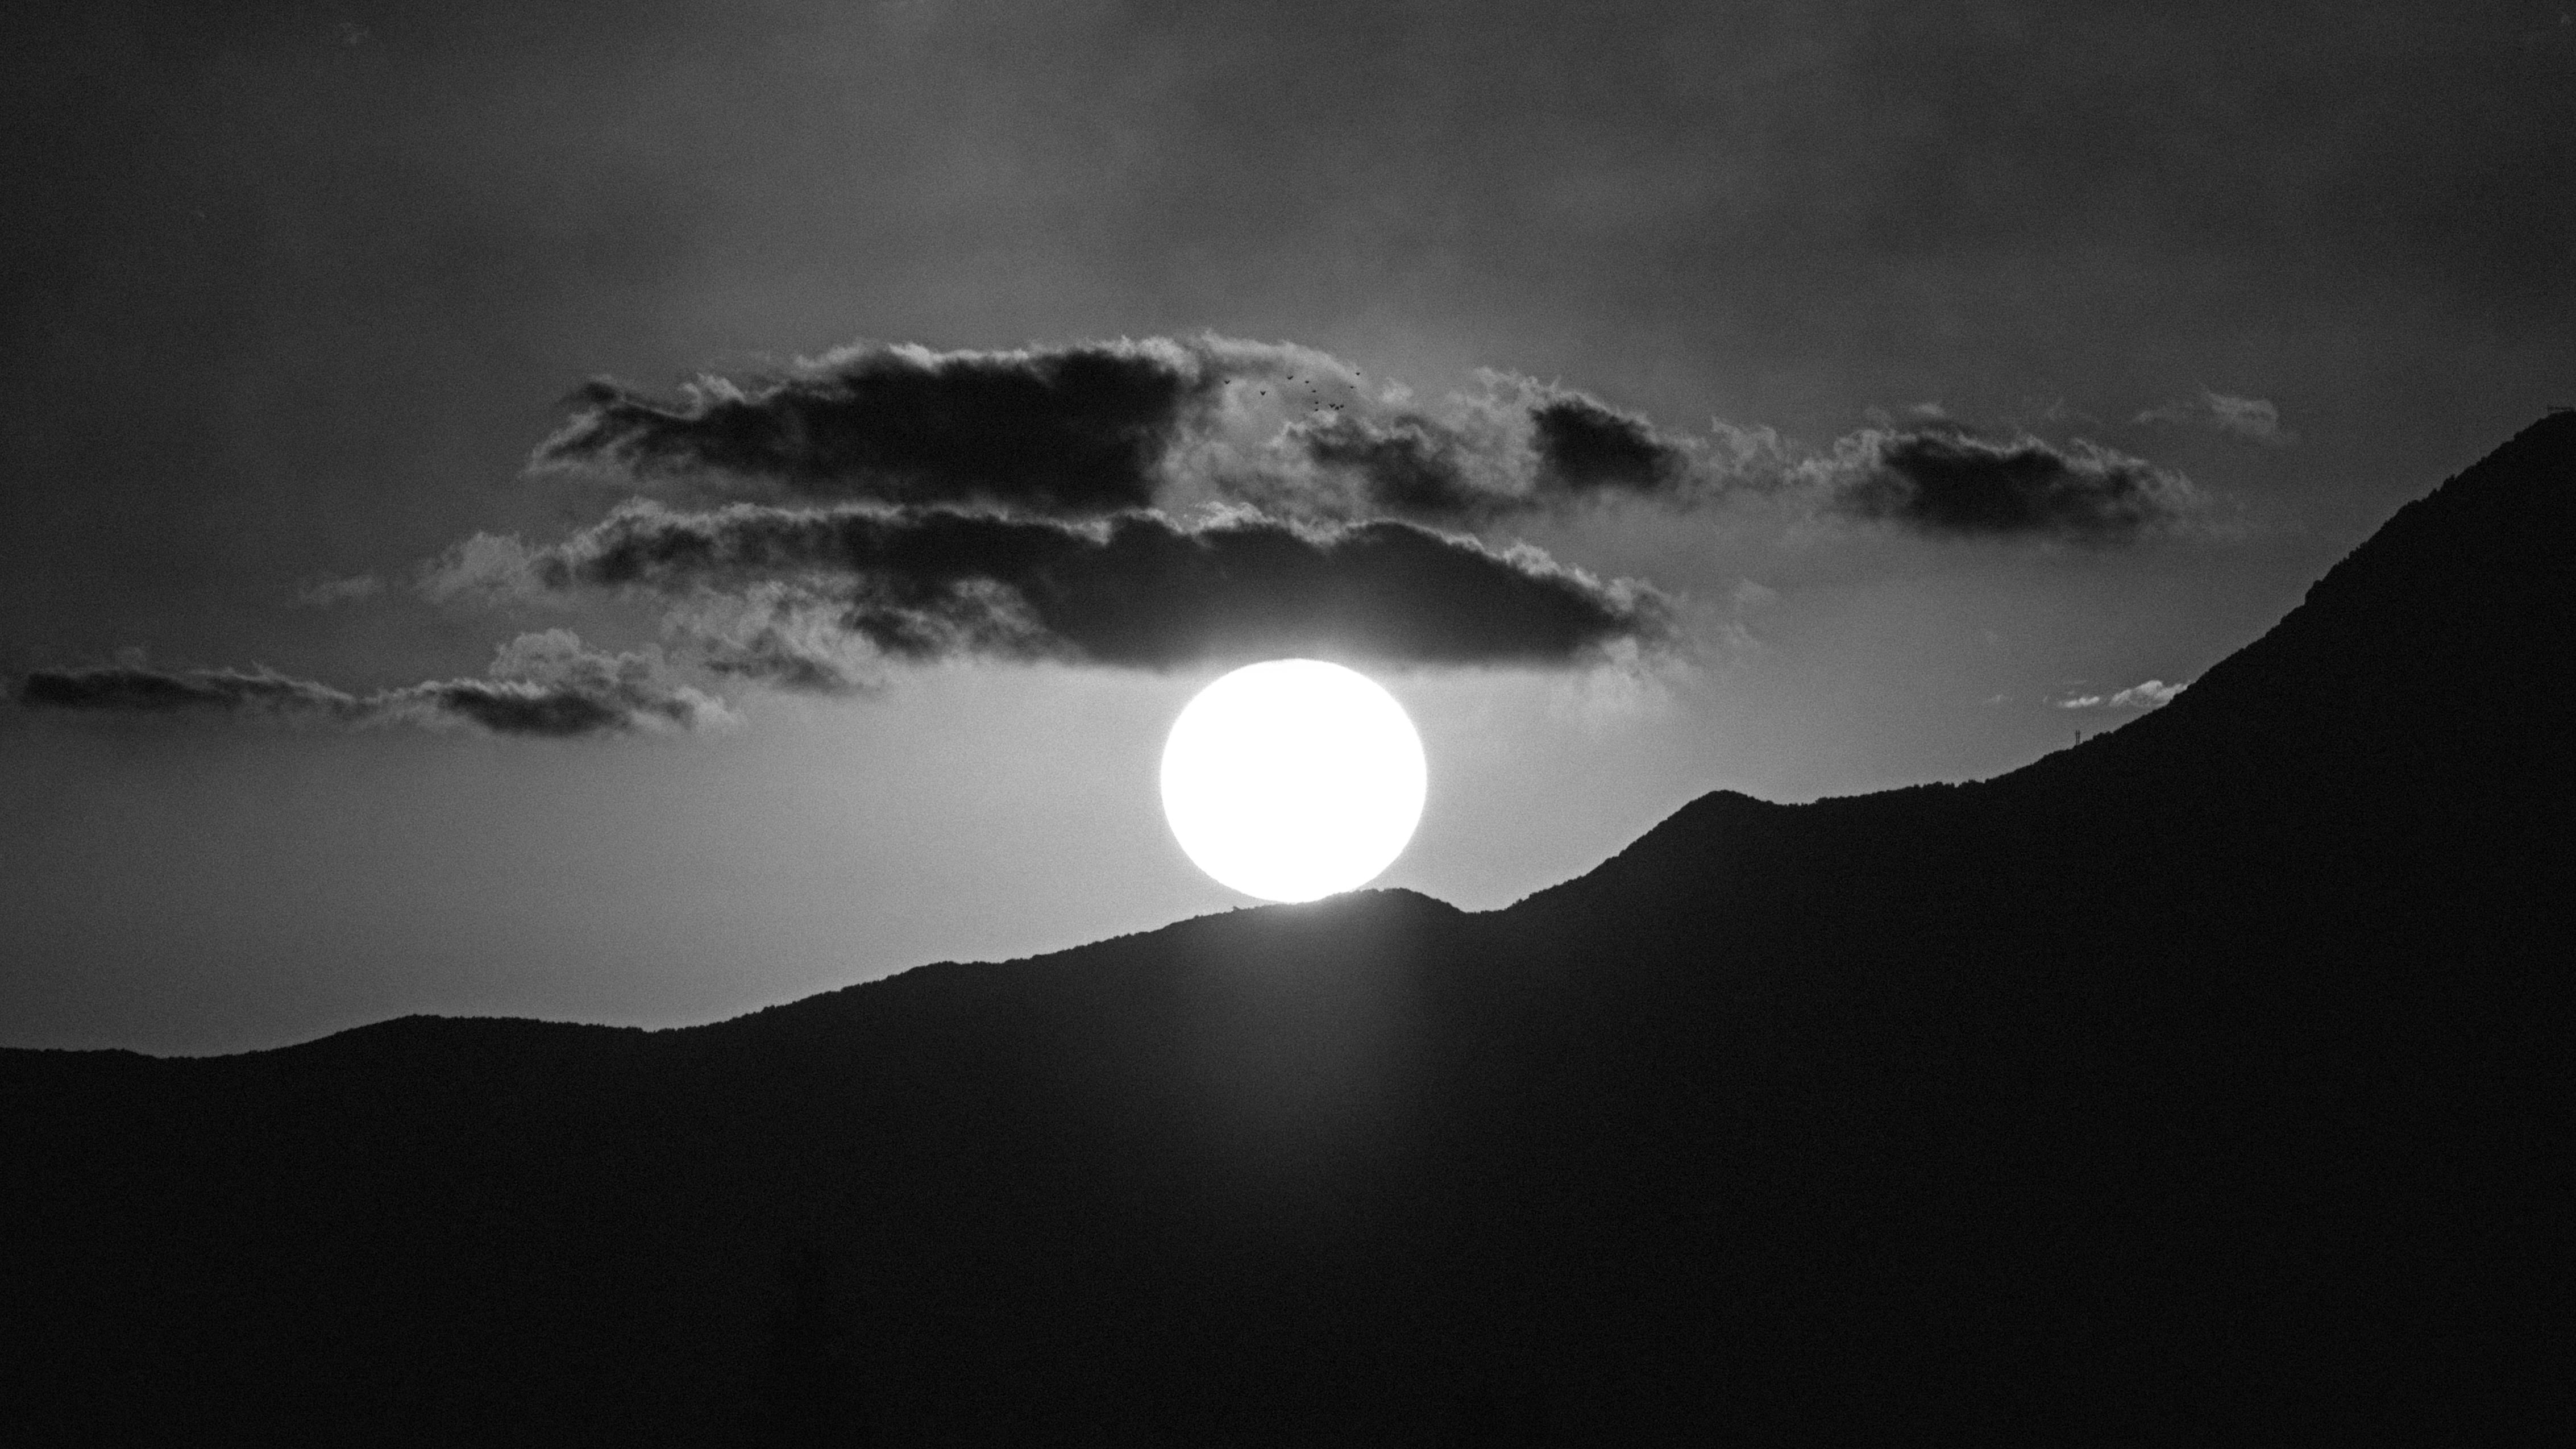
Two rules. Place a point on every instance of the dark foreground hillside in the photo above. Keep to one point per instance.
(2208, 1081)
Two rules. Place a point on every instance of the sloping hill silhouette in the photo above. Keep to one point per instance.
(2206, 1080)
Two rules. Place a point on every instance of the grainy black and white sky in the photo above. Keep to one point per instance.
(633, 512)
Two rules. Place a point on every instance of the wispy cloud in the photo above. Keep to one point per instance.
(330, 593)
(2149, 695)
(2145, 696)
(778, 635)
(545, 684)
(2250, 419)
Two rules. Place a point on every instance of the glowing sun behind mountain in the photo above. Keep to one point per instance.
(1293, 779)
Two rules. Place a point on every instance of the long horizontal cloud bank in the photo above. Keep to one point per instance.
(1076, 430)
(1093, 429)
(543, 684)
(1137, 590)
(1145, 504)
(1952, 483)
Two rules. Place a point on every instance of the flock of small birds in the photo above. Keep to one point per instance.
(1315, 402)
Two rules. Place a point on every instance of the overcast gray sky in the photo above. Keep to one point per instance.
(1879, 381)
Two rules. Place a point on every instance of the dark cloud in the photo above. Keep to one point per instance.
(1070, 430)
(1095, 428)
(1137, 590)
(540, 684)
(1586, 447)
(1520, 448)
(911, 504)
(1949, 483)
(1407, 465)
(140, 689)
(1525, 447)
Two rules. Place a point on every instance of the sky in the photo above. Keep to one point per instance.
(637, 512)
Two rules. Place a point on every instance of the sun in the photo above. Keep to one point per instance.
(1293, 779)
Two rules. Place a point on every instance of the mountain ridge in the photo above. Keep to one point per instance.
(2200, 1079)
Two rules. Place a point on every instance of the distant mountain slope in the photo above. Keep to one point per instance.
(2205, 1081)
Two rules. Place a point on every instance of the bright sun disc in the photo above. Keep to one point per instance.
(1293, 779)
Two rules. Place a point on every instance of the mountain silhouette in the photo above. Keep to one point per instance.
(2206, 1080)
